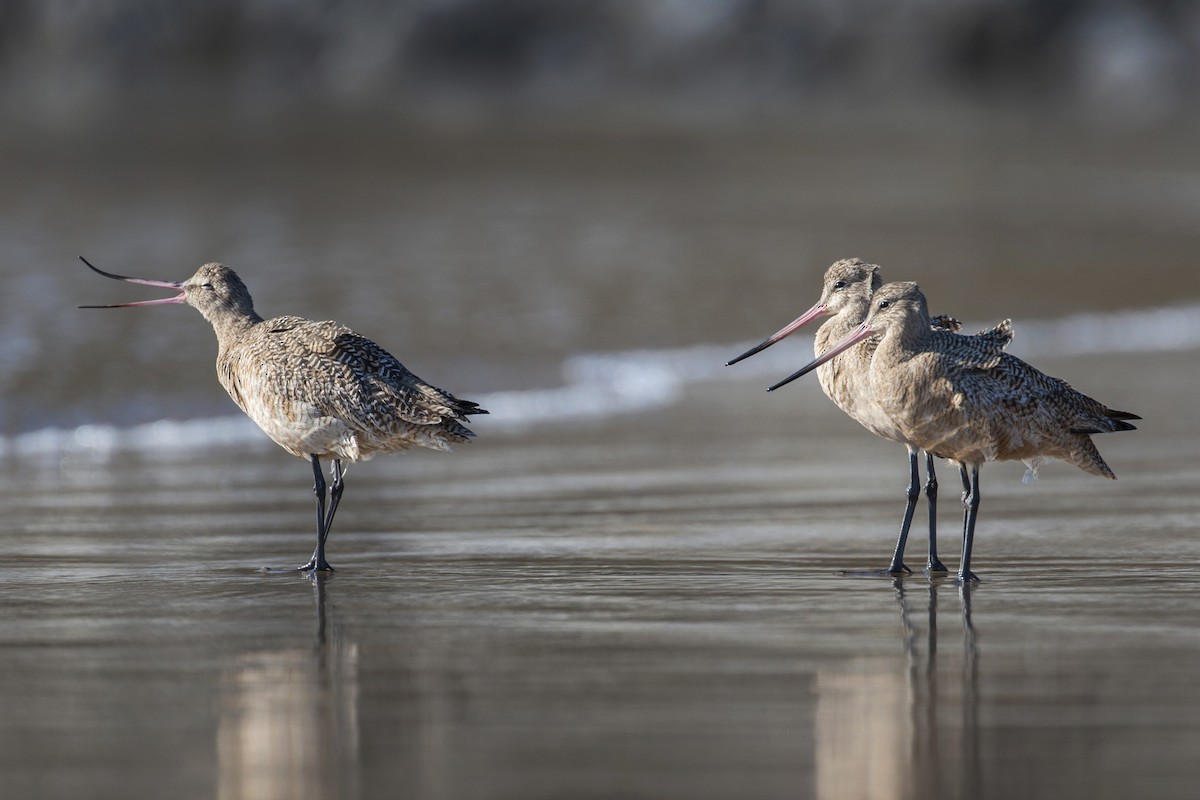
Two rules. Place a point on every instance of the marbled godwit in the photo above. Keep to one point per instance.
(846, 298)
(318, 389)
(970, 403)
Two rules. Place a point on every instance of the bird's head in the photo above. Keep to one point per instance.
(215, 291)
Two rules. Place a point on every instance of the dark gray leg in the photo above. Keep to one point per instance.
(318, 557)
(319, 491)
(318, 562)
(914, 492)
(971, 504)
(931, 488)
(335, 495)
(966, 493)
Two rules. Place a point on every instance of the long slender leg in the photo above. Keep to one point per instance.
(914, 492)
(335, 495)
(318, 557)
(966, 494)
(319, 491)
(318, 562)
(931, 489)
(971, 501)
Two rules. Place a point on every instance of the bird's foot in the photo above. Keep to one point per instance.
(967, 577)
(935, 565)
(317, 565)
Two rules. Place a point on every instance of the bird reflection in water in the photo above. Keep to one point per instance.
(912, 731)
(289, 723)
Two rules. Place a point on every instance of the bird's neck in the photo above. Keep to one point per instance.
(838, 326)
(231, 327)
(910, 337)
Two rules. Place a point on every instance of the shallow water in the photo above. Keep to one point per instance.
(644, 605)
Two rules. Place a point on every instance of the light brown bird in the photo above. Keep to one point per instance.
(971, 404)
(846, 298)
(318, 389)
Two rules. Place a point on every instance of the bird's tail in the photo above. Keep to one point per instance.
(1084, 453)
(1085, 456)
(1107, 421)
(467, 408)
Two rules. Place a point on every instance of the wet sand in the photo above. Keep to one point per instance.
(642, 606)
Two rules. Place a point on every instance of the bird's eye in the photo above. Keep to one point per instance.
(839, 284)
(884, 303)
(207, 286)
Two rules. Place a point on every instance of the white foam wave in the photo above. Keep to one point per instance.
(161, 436)
(604, 384)
(601, 385)
(1155, 330)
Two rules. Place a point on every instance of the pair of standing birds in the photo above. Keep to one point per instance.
(913, 379)
(322, 392)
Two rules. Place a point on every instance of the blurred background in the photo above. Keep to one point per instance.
(574, 212)
(503, 192)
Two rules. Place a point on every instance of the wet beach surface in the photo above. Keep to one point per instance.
(642, 605)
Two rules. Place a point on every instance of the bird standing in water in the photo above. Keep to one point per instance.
(318, 389)
(969, 404)
(846, 298)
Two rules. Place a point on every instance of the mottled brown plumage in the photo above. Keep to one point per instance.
(970, 402)
(971, 405)
(845, 298)
(317, 389)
